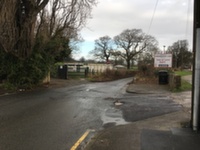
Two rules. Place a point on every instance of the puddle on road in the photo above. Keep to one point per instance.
(116, 102)
(112, 117)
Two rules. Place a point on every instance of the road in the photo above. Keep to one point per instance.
(54, 119)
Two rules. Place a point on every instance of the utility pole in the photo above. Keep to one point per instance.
(196, 71)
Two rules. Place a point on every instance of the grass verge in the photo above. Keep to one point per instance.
(183, 73)
(185, 85)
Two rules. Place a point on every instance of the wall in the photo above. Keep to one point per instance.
(174, 81)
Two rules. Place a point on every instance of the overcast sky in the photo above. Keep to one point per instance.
(173, 21)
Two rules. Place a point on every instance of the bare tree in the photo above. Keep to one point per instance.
(82, 59)
(18, 28)
(103, 48)
(181, 54)
(131, 43)
(65, 16)
(17, 24)
(62, 19)
(148, 56)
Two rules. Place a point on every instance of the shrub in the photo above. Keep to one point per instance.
(54, 69)
(25, 73)
(146, 70)
(109, 75)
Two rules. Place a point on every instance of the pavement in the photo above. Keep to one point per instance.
(171, 131)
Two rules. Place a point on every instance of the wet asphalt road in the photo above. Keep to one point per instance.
(54, 119)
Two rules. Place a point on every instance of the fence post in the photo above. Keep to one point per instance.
(86, 71)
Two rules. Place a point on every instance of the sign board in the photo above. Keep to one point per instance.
(163, 60)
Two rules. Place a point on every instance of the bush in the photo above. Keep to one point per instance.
(146, 70)
(54, 69)
(109, 75)
(25, 73)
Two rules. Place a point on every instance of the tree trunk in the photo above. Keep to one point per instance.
(8, 30)
(17, 24)
(128, 64)
(26, 38)
(107, 59)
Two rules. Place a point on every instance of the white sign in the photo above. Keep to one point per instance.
(163, 60)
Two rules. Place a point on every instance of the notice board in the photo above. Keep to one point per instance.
(163, 60)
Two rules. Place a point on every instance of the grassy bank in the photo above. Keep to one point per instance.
(185, 85)
(183, 73)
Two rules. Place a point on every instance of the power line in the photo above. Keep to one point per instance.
(153, 16)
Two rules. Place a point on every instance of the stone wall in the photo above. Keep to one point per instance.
(174, 81)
